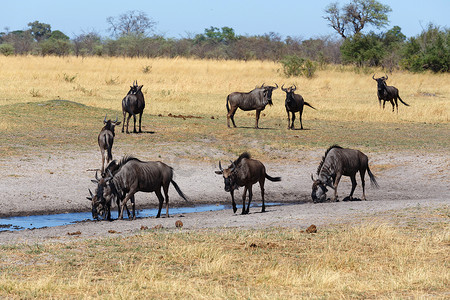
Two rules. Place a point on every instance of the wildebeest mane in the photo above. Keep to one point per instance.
(242, 156)
(323, 157)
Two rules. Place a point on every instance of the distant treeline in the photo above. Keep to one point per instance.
(429, 50)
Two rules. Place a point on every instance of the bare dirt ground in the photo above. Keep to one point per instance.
(59, 183)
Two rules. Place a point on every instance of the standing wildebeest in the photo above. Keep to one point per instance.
(134, 176)
(106, 140)
(337, 162)
(245, 172)
(387, 93)
(294, 103)
(256, 99)
(133, 104)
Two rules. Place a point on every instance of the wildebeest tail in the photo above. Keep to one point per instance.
(373, 179)
(307, 104)
(402, 101)
(177, 188)
(228, 99)
(273, 178)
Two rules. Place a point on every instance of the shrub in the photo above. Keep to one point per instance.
(298, 66)
(6, 49)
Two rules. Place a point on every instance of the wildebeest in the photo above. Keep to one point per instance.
(387, 93)
(339, 161)
(106, 140)
(245, 172)
(134, 175)
(294, 103)
(133, 104)
(256, 99)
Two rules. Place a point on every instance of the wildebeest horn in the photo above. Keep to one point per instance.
(233, 166)
(373, 77)
(312, 177)
(283, 89)
(386, 76)
(220, 167)
(104, 121)
(117, 119)
(90, 198)
(276, 85)
(295, 87)
(96, 176)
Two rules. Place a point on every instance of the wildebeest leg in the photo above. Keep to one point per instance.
(258, 112)
(261, 185)
(103, 160)
(335, 185)
(128, 121)
(301, 123)
(384, 103)
(289, 119)
(133, 207)
(166, 194)
(123, 124)
(243, 200)
(161, 201)
(396, 104)
(393, 106)
(134, 128)
(233, 203)
(363, 183)
(354, 184)
(293, 119)
(230, 115)
(250, 196)
(140, 120)
(124, 204)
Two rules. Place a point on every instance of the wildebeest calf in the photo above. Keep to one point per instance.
(337, 162)
(245, 172)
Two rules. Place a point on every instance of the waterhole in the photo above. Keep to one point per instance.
(41, 221)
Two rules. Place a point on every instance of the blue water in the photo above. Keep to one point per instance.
(40, 221)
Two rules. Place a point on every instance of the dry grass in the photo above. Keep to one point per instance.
(200, 87)
(373, 260)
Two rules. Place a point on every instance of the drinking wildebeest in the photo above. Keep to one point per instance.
(106, 140)
(294, 103)
(134, 176)
(339, 161)
(245, 172)
(256, 99)
(387, 93)
(133, 104)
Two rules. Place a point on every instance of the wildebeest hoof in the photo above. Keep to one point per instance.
(234, 209)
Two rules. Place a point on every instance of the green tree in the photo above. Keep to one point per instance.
(363, 50)
(356, 15)
(40, 31)
(428, 51)
(58, 35)
(6, 49)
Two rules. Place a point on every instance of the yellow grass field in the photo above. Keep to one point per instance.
(200, 87)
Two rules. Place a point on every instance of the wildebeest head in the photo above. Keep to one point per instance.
(289, 92)
(381, 82)
(110, 125)
(268, 92)
(135, 88)
(101, 200)
(319, 190)
(229, 177)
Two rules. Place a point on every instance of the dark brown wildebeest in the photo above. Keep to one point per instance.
(256, 99)
(339, 161)
(134, 175)
(133, 104)
(387, 93)
(106, 140)
(245, 172)
(294, 103)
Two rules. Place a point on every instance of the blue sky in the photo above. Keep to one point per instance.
(177, 18)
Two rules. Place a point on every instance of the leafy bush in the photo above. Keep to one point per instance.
(428, 51)
(6, 49)
(294, 65)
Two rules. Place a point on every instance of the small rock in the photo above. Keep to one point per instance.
(144, 227)
(74, 233)
(311, 229)
(178, 224)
